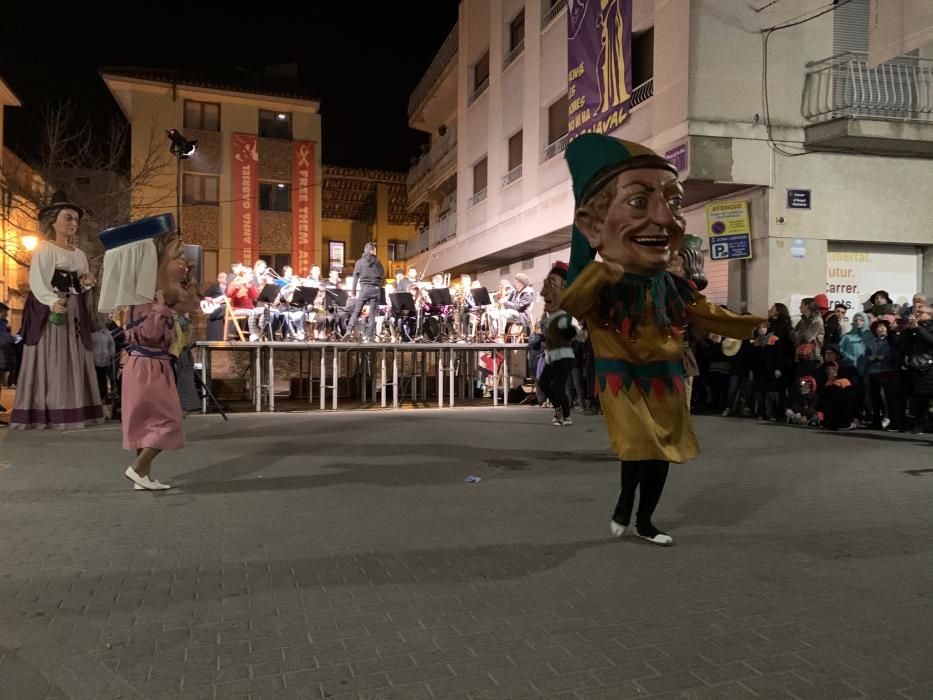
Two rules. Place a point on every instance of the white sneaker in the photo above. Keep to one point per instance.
(567, 421)
(885, 422)
(654, 535)
(253, 337)
(619, 530)
(557, 421)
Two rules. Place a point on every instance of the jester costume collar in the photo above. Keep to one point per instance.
(623, 306)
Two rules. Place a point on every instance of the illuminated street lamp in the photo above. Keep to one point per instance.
(29, 242)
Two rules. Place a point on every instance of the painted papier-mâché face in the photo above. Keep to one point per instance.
(172, 274)
(644, 224)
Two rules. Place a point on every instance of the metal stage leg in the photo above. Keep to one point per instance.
(205, 354)
(507, 380)
(495, 377)
(271, 381)
(395, 391)
(336, 374)
(440, 378)
(257, 378)
(382, 377)
(451, 370)
(323, 377)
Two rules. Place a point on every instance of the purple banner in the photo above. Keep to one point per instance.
(677, 156)
(599, 51)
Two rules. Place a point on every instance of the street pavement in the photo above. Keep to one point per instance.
(343, 555)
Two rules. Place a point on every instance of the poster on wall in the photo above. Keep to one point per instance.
(336, 251)
(856, 271)
(302, 206)
(245, 197)
(599, 66)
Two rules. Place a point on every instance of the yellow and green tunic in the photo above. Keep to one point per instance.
(636, 326)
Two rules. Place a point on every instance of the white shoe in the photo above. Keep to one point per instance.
(253, 338)
(557, 422)
(567, 421)
(144, 483)
(156, 487)
(618, 530)
(655, 536)
(885, 422)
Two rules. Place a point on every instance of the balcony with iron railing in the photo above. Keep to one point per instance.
(511, 176)
(556, 148)
(549, 14)
(514, 53)
(445, 55)
(643, 92)
(440, 158)
(888, 107)
(479, 196)
(479, 90)
(845, 86)
(444, 229)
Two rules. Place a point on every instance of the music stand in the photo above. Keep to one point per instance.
(481, 296)
(335, 297)
(403, 304)
(269, 294)
(440, 297)
(304, 296)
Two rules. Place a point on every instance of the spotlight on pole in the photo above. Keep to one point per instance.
(181, 147)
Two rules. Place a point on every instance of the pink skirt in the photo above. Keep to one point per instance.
(150, 409)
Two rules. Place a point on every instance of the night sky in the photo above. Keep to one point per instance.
(362, 59)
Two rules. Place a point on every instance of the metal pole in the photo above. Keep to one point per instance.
(507, 380)
(440, 377)
(205, 353)
(382, 377)
(336, 373)
(394, 378)
(271, 381)
(323, 378)
(495, 377)
(450, 375)
(257, 378)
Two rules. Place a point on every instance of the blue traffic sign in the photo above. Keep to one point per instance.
(733, 246)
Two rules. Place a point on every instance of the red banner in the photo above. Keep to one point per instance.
(245, 198)
(302, 206)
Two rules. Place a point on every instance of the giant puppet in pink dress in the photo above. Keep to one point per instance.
(145, 270)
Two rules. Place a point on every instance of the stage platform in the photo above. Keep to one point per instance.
(335, 375)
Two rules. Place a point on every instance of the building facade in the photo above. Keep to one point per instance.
(252, 188)
(360, 206)
(828, 154)
(15, 223)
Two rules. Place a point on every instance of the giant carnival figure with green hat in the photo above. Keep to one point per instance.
(629, 210)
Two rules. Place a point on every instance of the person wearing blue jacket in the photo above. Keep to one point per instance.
(853, 348)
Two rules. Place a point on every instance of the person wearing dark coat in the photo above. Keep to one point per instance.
(767, 372)
(368, 278)
(919, 361)
(882, 376)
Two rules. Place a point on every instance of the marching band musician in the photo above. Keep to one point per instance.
(293, 316)
(212, 305)
(514, 307)
(242, 293)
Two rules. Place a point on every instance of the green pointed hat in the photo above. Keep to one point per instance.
(593, 160)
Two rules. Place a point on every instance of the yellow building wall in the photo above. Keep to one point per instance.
(151, 113)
